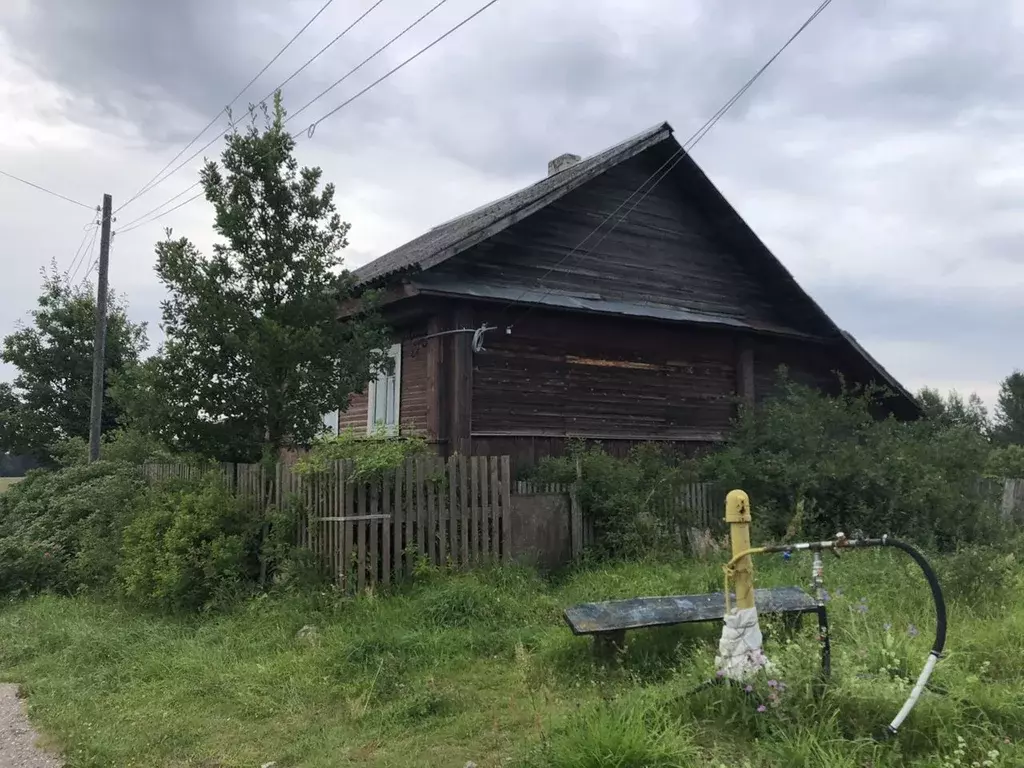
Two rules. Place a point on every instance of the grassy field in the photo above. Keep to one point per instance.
(481, 667)
(7, 482)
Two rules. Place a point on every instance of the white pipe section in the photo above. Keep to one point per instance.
(915, 694)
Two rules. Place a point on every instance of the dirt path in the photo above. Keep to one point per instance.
(17, 739)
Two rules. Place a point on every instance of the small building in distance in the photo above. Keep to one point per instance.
(625, 300)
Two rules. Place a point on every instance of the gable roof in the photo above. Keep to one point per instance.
(453, 237)
(463, 232)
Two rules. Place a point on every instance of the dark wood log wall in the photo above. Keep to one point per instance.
(603, 377)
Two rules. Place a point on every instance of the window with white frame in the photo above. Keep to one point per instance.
(384, 395)
(331, 423)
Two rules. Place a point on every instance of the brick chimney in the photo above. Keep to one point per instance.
(562, 162)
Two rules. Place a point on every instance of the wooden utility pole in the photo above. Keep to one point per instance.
(100, 343)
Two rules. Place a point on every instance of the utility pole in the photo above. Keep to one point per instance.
(100, 343)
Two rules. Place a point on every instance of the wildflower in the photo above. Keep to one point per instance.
(773, 683)
(912, 631)
(887, 626)
(862, 606)
(749, 689)
(824, 595)
(786, 555)
(762, 708)
(720, 673)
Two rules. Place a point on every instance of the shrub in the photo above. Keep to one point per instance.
(130, 446)
(845, 469)
(371, 455)
(191, 546)
(60, 529)
(1007, 461)
(627, 499)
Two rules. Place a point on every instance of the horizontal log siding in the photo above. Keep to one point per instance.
(559, 375)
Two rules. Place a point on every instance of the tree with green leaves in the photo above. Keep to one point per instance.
(49, 399)
(1009, 421)
(254, 352)
(954, 411)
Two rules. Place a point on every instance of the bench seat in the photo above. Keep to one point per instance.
(609, 620)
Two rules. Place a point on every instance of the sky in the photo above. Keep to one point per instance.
(881, 157)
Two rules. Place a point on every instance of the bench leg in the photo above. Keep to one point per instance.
(607, 644)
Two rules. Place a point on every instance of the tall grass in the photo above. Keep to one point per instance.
(460, 667)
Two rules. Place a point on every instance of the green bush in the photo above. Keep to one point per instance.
(60, 530)
(1007, 461)
(845, 469)
(130, 446)
(371, 455)
(627, 499)
(191, 546)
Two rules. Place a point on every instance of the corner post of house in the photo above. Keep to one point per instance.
(436, 428)
(745, 371)
(461, 382)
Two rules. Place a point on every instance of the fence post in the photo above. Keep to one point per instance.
(576, 514)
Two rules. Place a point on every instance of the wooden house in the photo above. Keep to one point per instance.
(648, 326)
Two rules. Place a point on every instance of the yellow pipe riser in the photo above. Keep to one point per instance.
(737, 515)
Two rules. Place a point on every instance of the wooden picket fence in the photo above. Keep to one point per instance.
(686, 509)
(373, 531)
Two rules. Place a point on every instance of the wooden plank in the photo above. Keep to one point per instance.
(410, 516)
(442, 511)
(346, 528)
(495, 489)
(453, 507)
(397, 528)
(506, 509)
(386, 526)
(361, 531)
(485, 510)
(421, 510)
(430, 491)
(464, 513)
(476, 553)
(374, 524)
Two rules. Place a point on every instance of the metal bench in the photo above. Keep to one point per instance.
(608, 621)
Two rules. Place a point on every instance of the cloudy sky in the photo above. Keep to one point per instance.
(881, 158)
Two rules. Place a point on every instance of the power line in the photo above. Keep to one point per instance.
(348, 74)
(86, 254)
(136, 223)
(412, 58)
(47, 191)
(169, 210)
(78, 251)
(156, 181)
(662, 171)
(147, 186)
(369, 58)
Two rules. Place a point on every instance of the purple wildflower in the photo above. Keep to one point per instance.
(749, 688)
(862, 606)
(912, 631)
(773, 683)
(762, 708)
(720, 673)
